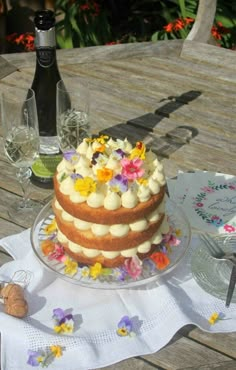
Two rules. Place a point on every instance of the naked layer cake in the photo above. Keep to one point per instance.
(109, 201)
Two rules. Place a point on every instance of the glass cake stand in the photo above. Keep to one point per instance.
(115, 278)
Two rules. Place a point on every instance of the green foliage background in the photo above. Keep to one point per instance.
(120, 21)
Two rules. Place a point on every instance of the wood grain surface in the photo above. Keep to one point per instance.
(179, 97)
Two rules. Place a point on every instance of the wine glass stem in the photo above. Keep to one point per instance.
(23, 176)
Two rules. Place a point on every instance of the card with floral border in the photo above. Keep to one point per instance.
(210, 203)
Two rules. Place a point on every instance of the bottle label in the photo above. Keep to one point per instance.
(45, 166)
(49, 145)
(46, 56)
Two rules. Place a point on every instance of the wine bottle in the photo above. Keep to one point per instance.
(44, 85)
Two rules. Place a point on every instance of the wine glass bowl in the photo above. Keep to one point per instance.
(72, 108)
(20, 140)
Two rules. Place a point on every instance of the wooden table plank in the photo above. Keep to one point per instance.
(160, 87)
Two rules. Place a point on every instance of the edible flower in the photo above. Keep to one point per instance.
(102, 139)
(104, 174)
(118, 154)
(44, 358)
(76, 176)
(170, 239)
(119, 184)
(71, 156)
(131, 169)
(71, 266)
(95, 270)
(85, 186)
(64, 323)
(84, 271)
(215, 317)
(125, 327)
(143, 181)
(119, 273)
(47, 247)
(139, 151)
(101, 149)
(52, 227)
(58, 253)
(133, 266)
(99, 158)
(161, 260)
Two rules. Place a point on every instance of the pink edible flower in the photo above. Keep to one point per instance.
(131, 169)
(133, 267)
(58, 254)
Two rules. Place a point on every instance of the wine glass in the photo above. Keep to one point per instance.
(21, 143)
(72, 107)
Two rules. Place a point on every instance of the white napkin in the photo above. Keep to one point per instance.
(158, 310)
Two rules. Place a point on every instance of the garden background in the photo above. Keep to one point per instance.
(82, 23)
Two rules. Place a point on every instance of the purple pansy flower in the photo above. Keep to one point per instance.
(95, 157)
(34, 358)
(118, 154)
(124, 327)
(119, 184)
(71, 156)
(120, 273)
(60, 316)
(75, 176)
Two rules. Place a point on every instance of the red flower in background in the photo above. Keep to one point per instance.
(178, 24)
(25, 39)
(219, 30)
(91, 6)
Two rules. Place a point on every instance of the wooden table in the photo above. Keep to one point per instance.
(145, 91)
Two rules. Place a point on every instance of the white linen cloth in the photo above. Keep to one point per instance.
(159, 310)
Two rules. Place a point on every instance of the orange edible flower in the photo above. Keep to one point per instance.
(161, 260)
(104, 174)
(101, 149)
(47, 247)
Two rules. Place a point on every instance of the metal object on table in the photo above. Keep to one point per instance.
(220, 255)
(232, 283)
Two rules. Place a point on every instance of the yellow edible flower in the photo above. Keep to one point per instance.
(214, 317)
(85, 186)
(71, 266)
(50, 228)
(104, 174)
(102, 139)
(95, 270)
(143, 181)
(63, 328)
(139, 151)
(178, 232)
(56, 351)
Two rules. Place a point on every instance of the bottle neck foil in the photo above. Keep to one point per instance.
(45, 38)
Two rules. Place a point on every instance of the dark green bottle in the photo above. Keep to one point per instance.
(44, 85)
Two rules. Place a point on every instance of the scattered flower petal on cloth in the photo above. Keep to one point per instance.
(125, 327)
(44, 358)
(64, 322)
(216, 317)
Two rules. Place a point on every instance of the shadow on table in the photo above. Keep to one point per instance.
(145, 128)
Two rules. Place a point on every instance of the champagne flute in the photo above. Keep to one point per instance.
(72, 106)
(21, 143)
